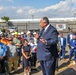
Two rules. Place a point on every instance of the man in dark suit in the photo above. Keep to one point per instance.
(69, 37)
(62, 41)
(47, 47)
(73, 47)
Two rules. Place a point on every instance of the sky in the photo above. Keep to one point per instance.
(27, 9)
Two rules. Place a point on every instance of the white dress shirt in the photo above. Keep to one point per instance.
(61, 41)
(71, 36)
(46, 27)
(35, 41)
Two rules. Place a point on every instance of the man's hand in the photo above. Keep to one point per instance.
(1, 57)
(68, 44)
(72, 47)
(43, 40)
(18, 44)
(27, 57)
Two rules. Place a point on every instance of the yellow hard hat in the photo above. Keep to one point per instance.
(16, 33)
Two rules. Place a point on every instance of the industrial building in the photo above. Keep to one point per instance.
(62, 24)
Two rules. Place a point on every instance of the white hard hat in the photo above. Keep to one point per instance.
(34, 33)
(22, 32)
(19, 33)
(1, 32)
(13, 33)
(28, 32)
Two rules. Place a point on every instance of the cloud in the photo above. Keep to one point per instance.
(65, 8)
(1, 8)
(19, 11)
(15, 12)
(8, 0)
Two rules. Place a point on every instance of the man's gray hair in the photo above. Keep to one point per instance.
(46, 19)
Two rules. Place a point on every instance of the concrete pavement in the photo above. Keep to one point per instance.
(65, 68)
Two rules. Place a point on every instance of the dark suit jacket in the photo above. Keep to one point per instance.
(49, 50)
(64, 41)
(68, 38)
(73, 43)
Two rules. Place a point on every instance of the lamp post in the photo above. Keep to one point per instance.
(26, 26)
(32, 16)
(74, 18)
(74, 15)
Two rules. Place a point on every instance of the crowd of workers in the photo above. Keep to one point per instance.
(17, 44)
